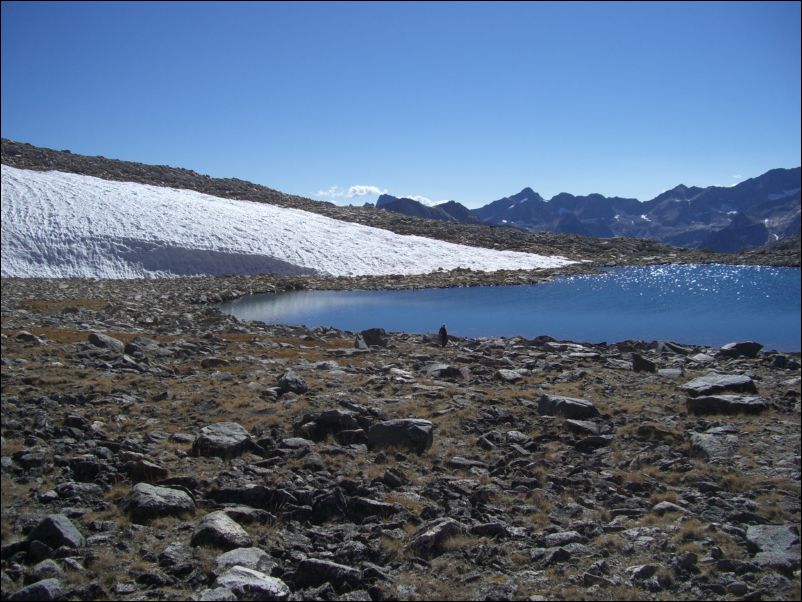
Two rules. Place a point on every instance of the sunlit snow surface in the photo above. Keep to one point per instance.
(62, 225)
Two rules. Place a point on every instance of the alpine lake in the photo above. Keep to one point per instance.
(707, 305)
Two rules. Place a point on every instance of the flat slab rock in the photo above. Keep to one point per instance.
(714, 382)
(726, 404)
(250, 584)
(570, 407)
(777, 546)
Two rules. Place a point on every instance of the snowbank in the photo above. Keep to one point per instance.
(61, 225)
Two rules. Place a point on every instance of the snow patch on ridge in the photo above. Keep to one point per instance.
(62, 225)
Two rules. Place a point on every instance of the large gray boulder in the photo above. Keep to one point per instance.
(713, 383)
(775, 546)
(146, 502)
(409, 433)
(57, 530)
(290, 382)
(250, 558)
(219, 529)
(224, 440)
(570, 407)
(104, 341)
(41, 591)
(249, 584)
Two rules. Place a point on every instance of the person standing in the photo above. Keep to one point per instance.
(443, 335)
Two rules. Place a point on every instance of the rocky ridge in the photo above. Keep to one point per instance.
(609, 251)
(153, 448)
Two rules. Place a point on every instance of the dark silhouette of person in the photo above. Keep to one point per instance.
(443, 335)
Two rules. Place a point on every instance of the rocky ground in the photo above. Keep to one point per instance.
(153, 448)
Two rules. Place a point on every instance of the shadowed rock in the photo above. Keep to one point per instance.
(409, 433)
(57, 530)
(570, 407)
(743, 349)
(726, 404)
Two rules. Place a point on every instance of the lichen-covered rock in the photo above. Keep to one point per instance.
(224, 440)
(146, 502)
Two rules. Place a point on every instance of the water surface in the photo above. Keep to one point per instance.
(698, 304)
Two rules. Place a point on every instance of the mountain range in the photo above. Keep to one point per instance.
(751, 214)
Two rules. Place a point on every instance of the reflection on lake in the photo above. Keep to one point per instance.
(700, 304)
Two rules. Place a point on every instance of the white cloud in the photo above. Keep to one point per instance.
(357, 190)
(364, 190)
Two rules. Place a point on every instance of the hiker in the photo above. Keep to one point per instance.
(443, 335)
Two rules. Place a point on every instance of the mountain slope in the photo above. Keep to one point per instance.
(57, 224)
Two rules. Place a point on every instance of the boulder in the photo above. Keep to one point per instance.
(714, 444)
(146, 502)
(328, 422)
(726, 404)
(510, 376)
(641, 364)
(409, 433)
(438, 370)
(714, 382)
(219, 529)
(249, 584)
(224, 440)
(251, 558)
(290, 382)
(429, 540)
(98, 339)
(312, 572)
(775, 546)
(374, 337)
(57, 530)
(742, 349)
(570, 407)
(41, 591)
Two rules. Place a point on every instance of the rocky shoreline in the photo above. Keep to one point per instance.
(153, 448)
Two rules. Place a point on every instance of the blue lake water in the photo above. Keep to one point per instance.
(698, 304)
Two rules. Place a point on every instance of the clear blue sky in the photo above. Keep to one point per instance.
(470, 102)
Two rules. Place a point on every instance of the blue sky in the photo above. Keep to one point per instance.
(464, 101)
